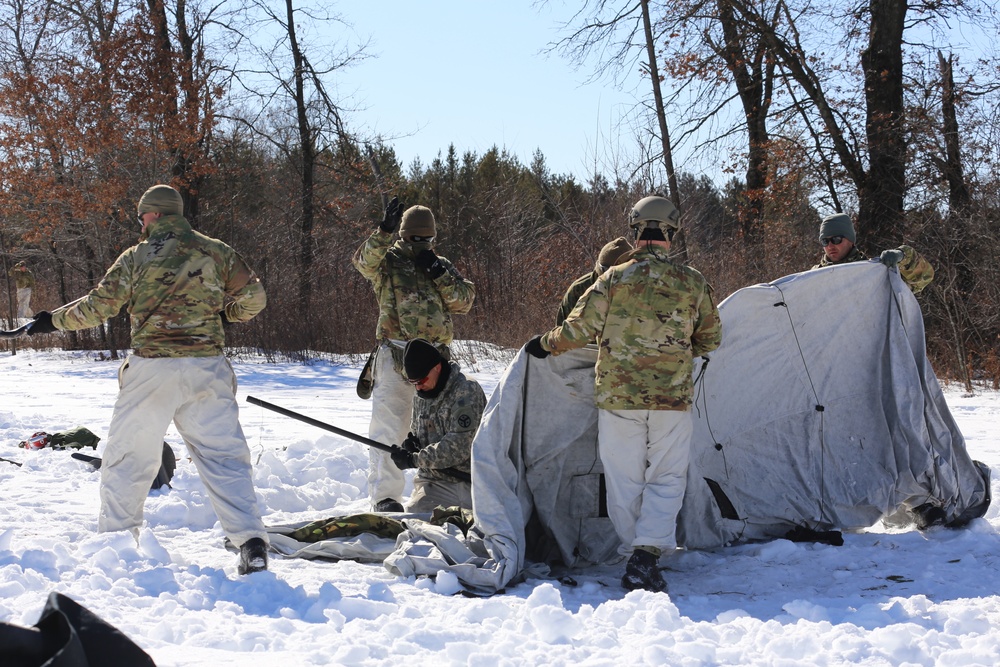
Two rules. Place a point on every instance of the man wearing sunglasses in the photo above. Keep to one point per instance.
(836, 235)
(447, 409)
(418, 291)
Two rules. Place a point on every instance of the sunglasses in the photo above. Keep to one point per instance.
(835, 240)
(418, 380)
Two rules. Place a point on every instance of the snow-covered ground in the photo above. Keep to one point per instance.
(884, 598)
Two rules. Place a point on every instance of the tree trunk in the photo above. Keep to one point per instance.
(881, 193)
(308, 165)
(959, 199)
(752, 73)
(679, 245)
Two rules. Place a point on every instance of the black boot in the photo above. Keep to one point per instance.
(253, 556)
(388, 505)
(642, 571)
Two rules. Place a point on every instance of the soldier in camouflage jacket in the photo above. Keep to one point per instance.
(650, 318)
(179, 287)
(418, 291)
(836, 235)
(447, 409)
(611, 254)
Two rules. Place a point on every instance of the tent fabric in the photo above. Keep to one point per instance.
(819, 411)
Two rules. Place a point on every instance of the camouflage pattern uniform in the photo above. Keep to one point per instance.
(915, 271)
(574, 292)
(24, 281)
(174, 283)
(445, 425)
(411, 305)
(650, 318)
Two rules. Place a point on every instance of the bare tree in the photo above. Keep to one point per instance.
(291, 78)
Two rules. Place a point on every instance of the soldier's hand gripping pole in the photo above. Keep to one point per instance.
(460, 475)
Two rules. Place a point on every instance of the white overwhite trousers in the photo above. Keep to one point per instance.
(392, 408)
(645, 455)
(198, 395)
(23, 303)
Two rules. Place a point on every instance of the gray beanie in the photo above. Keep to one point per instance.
(613, 253)
(161, 199)
(417, 221)
(838, 224)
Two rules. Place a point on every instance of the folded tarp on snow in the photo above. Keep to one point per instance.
(819, 410)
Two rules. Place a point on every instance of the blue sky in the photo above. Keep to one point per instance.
(472, 74)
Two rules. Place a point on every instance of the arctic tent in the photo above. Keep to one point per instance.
(819, 411)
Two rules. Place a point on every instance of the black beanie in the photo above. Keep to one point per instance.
(419, 358)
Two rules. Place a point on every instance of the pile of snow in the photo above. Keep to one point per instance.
(884, 598)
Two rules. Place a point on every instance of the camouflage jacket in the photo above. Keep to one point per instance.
(23, 277)
(650, 317)
(446, 425)
(174, 283)
(573, 294)
(410, 303)
(915, 271)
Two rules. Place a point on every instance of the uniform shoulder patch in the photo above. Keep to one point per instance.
(465, 419)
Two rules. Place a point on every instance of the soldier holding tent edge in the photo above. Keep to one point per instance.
(179, 287)
(417, 291)
(650, 318)
(836, 235)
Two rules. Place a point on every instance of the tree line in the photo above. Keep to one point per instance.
(811, 108)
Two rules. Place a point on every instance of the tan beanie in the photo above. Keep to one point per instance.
(161, 199)
(417, 221)
(612, 253)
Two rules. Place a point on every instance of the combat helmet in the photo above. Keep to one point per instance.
(654, 217)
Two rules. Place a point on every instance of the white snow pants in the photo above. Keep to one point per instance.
(392, 409)
(198, 395)
(645, 455)
(24, 303)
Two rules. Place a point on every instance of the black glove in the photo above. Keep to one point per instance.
(429, 262)
(402, 458)
(892, 257)
(412, 444)
(535, 349)
(391, 216)
(41, 324)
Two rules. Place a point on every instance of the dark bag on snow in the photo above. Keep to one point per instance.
(74, 438)
(68, 635)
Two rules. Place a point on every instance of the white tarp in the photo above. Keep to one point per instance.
(819, 410)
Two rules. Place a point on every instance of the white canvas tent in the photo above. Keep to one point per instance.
(819, 410)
